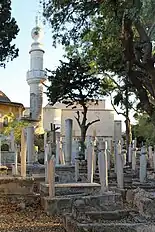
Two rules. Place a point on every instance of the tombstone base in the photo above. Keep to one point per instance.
(71, 188)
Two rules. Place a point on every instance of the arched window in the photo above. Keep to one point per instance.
(5, 121)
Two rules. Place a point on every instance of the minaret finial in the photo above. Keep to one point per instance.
(37, 21)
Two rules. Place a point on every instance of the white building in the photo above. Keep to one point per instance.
(106, 127)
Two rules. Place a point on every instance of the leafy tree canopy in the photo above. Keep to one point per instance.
(8, 32)
(116, 36)
(120, 92)
(144, 129)
(73, 83)
(17, 127)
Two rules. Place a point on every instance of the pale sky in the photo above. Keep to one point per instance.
(13, 77)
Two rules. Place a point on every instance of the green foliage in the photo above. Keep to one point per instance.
(107, 86)
(17, 127)
(8, 32)
(148, 16)
(118, 98)
(73, 83)
(39, 142)
(121, 93)
(115, 35)
(144, 129)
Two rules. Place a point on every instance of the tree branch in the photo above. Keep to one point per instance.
(152, 100)
(148, 85)
(90, 123)
(142, 92)
(145, 80)
(142, 33)
(146, 44)
(44, 85)
(116, 110)
(118, 86)
(127, 40)
(78, 118)
(84, 114)
(151, 30)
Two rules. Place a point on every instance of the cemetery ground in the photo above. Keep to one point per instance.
(100, 194)
(15, 218)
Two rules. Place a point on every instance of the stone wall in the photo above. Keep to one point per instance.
(61, 205)
(144, 202)
(19, 191)
(21, 200)
(71, 189)
(16, 185)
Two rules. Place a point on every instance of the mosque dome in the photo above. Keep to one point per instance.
(4, 98)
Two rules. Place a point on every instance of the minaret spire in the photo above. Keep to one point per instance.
(37, 21)
(36, 76)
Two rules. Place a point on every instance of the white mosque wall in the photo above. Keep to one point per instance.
(51, 115)
(105, 127)
(58, 113)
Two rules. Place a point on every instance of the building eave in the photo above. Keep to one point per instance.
(16, 104)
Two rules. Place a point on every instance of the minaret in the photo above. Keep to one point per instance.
(35, 77)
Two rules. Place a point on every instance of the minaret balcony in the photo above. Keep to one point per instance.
(36, 75)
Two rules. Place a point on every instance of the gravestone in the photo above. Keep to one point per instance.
(134, 154)
(51, 177)
(46, 159)
(119, 163)
(143, 164)
(90, 162)
(75, 150)
(103, 165)
(30, 144)
(62, 157)
(23, 153)
(150, 156)
(57, 150)
(68, 141)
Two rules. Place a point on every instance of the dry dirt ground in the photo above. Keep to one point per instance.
(15, 219)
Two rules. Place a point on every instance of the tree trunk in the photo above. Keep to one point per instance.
(82, 141)
(128, 134)
(83, 131)
(84, 127)
(127, 120)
